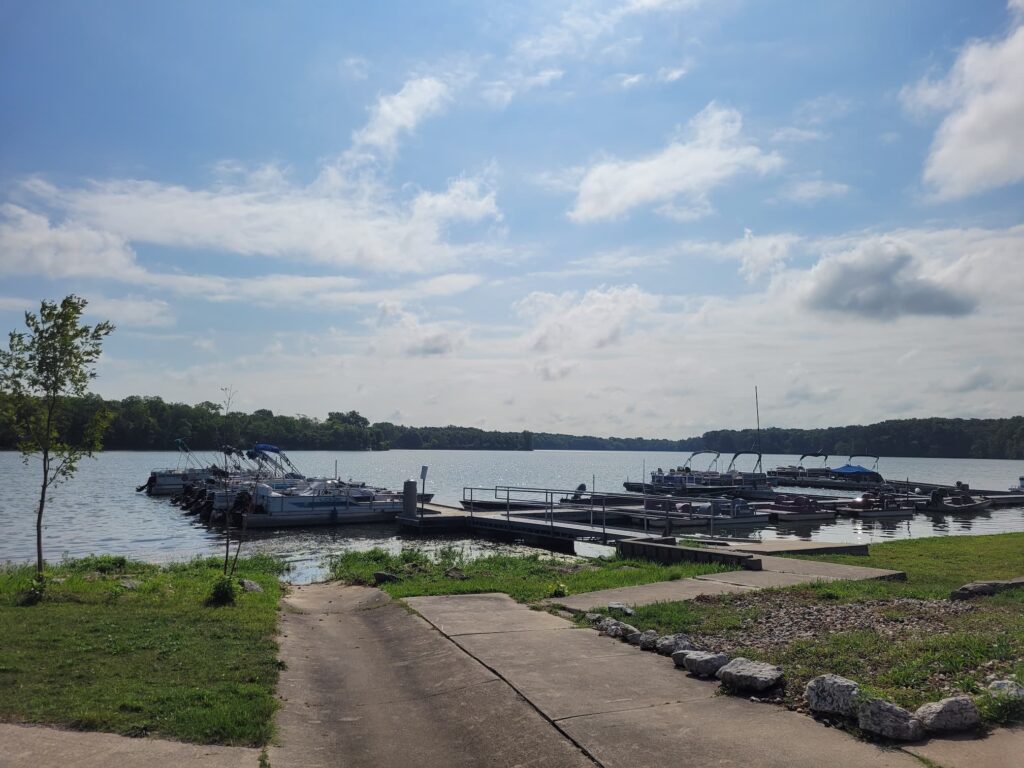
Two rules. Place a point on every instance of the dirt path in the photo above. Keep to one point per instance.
(368, 683)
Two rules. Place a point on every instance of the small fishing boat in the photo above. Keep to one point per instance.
(1019, 487)
(871, 505)
(796, 509)
(956, 503)
(729, 512)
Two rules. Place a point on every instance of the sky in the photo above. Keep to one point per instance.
(610, 218)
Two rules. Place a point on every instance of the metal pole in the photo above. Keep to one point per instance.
(604, 522)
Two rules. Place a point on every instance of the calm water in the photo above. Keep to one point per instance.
(100, 512)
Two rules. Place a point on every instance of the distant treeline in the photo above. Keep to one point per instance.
(149, 423)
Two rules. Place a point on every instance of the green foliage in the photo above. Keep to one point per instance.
(911, 668)
(150, 423)
(150, 659)
(40, 371)
(1001, 710)
(222, 592)
(526, 579)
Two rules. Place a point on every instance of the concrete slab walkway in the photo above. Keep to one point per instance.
(28, 746)
(368, 683)
(775, 572)
(1003, 748)
(630, 708)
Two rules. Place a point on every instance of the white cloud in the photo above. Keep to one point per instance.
(402, 332)
(575, 33)
(672, 74)
(583, 23)
(680, 176)
(628, 80)
(30, 245)
(979, 145)
(131, 311)
(399, 114)
(500, 92)
(758, 255)
(596, 320)
(822, 109)
(338, 220)
(794, 135)
(880, 279)
(354, 68)
(812, 190)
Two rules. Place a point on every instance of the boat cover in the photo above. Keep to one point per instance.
(266, 447)
(856, 469)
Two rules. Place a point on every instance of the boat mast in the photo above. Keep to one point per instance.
(757, 411)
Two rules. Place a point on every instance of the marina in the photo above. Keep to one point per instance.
(99, 511)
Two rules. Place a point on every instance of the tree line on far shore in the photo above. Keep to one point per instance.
(150, 423)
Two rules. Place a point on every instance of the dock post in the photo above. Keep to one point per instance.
(409, 498)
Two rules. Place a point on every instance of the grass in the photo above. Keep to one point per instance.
(130, 647)
(526, 579)
(916, 668)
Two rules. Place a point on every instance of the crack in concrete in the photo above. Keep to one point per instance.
(554, 724)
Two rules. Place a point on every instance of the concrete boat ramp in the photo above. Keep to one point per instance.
(468, 680)
(480, 680)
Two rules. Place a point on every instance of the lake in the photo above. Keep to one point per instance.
(99, 512)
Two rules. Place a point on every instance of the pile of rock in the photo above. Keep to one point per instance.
(835, 695)
(738, 675)
(826, 695)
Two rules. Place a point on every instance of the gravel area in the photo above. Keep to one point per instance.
(781, 620)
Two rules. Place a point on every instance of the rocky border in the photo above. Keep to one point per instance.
(828, 696)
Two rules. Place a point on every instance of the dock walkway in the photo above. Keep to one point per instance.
(775, 572)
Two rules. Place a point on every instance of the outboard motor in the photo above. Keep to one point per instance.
(147, 486)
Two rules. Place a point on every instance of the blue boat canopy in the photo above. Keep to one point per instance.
(266, 447)
(857, 471)
(852, 469)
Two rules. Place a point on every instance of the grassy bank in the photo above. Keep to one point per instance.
(526, 579)
(132, 648)
(902, 640)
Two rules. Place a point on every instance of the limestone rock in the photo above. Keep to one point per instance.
(593, 618)
(1007, 688)
(679, 658)
(886, 719)
(669, 644)
(603, 625)
(985, 588)
(956, 713)
(649, 640)
(972, 590)
(633, 638)
(250, 586)
(704, 663)
(620, 607)
(742, 674)
(382, 577)
(455, 573)
(621, 630)
(832, 695)
(130, 584)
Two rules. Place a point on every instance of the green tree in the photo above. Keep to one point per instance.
(41, 371)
